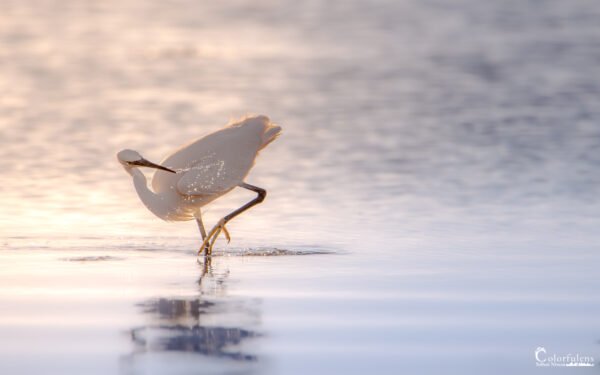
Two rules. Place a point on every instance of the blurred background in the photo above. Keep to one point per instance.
(430, 118)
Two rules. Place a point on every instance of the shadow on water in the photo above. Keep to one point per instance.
(209, 324)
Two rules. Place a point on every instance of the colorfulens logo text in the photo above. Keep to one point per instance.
(545, 359)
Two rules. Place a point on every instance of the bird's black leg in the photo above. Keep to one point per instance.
(202, 231)
(214, 233)
(261, 194)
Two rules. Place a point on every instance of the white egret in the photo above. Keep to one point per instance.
(202, 171)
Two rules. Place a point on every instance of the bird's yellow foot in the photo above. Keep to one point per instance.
(211, 238)
(226, 233)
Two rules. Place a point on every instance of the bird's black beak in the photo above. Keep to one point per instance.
(149, 164)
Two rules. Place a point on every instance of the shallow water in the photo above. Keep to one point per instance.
(437, 173)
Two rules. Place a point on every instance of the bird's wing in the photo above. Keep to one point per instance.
(217, 162)
(208, 177)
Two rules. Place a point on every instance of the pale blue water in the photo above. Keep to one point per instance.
(432, 201)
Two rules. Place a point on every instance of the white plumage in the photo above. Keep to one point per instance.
(218, 162)
(201, 171)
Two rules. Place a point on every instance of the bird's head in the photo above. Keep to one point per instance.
(130, 159)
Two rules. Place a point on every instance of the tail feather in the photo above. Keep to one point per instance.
(271, 133)
(260, 125)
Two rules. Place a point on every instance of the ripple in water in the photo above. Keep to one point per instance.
(99, 258)
(272, 251)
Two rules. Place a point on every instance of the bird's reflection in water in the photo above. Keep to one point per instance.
(192, 324)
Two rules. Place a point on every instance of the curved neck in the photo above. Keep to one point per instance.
(151, 200)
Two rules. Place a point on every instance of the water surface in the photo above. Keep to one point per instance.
(431, 203)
